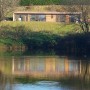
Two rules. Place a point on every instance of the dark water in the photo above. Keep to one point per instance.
(44, 73)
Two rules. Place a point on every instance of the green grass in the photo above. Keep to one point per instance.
(52, 27)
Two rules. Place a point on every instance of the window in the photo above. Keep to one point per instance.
(77, 17)
(33, 18)
(74, 18)
(38, 18)
(62, 18)
(42, 17)
(21, 18)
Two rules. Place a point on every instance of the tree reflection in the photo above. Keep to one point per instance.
(5, 82)
(82, 81)
(85, 70)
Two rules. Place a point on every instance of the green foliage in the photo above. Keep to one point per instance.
(51, 2)
(38, 33)
(50, 27)
(39, 2)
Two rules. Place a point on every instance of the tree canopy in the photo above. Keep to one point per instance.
(50, 2)
(39, 2)
(6, 6)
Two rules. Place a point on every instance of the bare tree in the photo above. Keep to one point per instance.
(85, 12)
(6, 6)
(82, 6)
(84, 23)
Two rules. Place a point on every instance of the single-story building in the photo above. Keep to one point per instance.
(47, 16)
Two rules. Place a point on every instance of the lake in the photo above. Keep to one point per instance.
(45, 72)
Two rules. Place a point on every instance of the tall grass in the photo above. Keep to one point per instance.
(53, 27)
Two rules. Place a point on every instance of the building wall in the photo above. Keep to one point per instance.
(50, 18)
(66, 18)
(58, 18)
(29, 16)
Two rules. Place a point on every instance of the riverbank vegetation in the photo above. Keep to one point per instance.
(14, 32)
(49, 2)
(65, 38)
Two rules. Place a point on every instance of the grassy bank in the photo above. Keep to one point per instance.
(51, 27)
(66, 38)
(13, 33)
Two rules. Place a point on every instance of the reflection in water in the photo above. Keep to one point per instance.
(45, 68)
(5, 82)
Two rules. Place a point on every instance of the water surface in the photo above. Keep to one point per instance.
(44, 73)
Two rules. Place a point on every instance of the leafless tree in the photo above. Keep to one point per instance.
(85, 10)
(82, 6)
(6, 6)
(84, 23)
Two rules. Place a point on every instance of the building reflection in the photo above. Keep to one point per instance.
(43, 66)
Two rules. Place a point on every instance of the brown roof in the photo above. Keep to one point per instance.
(47, 12)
